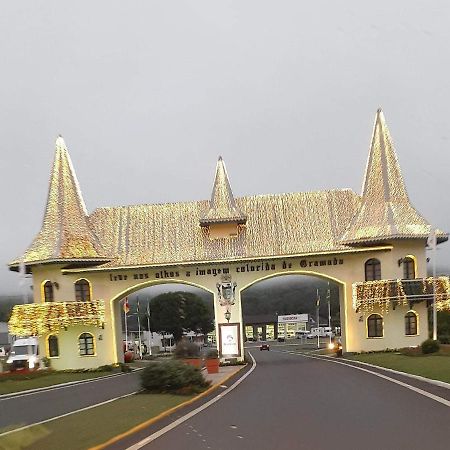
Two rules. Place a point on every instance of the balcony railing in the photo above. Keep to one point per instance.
(37, 319)
(390, 293)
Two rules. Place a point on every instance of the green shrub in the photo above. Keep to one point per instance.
(46, 362)
(212, 354)
(233, 362)
(186, 349)
(430, 346)
(125, 367)
(444, 339)
(174, 377)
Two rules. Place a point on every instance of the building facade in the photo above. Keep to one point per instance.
(372, 245)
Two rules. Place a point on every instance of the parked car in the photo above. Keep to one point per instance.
(264, 346)
(301, 333)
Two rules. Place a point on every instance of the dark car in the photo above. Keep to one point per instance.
(264, 346)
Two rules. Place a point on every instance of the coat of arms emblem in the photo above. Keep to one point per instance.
(226, 291)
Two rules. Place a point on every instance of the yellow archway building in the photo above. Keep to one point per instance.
(224, 245)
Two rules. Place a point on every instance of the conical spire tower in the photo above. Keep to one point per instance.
(222, 206)
(385, 210)
(65, 232)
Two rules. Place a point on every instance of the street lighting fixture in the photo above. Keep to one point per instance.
(228, 315)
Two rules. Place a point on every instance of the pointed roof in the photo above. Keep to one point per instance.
(222, 206)
(385, 211)
(65, 233)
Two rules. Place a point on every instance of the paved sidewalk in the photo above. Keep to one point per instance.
(224, 373)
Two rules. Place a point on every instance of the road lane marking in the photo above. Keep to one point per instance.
(66, 414)
(380, 375)
(201, 408)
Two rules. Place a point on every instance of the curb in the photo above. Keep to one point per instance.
(160, 416)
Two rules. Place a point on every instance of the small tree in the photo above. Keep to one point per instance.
(180, 312)
(197, 316)
(166, 315)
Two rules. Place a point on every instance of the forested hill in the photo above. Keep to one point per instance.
(290, 295)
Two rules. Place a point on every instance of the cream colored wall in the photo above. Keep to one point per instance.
(112, 286)
(69, 352)
(394, 330)
(356, 339)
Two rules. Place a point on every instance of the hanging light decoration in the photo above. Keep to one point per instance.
(381, 294)
(37, 319)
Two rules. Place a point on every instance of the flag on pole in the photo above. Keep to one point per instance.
(126, 306)
(139, 328)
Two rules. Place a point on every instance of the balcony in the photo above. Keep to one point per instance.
(38, 319)
(385, 294)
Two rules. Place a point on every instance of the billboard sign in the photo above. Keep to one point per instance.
(293, 318)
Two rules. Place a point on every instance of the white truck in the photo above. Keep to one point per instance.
(321, 332)
(24, 354)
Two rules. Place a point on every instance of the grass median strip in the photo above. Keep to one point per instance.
(436, 367)
(94, 426)
(26, 382)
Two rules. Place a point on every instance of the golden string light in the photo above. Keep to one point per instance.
(38, 319)
(384, 293)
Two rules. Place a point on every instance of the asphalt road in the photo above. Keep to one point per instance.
(292, 402)
(25, 409)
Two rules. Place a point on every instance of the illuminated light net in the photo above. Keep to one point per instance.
(382, 293)
(38, 319)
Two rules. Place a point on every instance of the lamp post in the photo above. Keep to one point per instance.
(228, 315)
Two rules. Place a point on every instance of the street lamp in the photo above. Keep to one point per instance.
(228, 315)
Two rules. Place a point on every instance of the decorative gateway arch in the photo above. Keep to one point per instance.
(373, 245)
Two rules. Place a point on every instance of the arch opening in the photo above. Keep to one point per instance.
(159, 313)
(297, 307)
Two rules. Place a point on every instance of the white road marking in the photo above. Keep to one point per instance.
(66, 414)
(380, 375)
(179, 421)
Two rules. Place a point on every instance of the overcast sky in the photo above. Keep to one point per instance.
(148, 94)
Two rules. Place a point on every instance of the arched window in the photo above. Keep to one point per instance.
(53, 347)
(83, 291)
(373, 269)
(48, 292)
(411, 323)
(374, 326)
(409, 270)
(86, 344)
